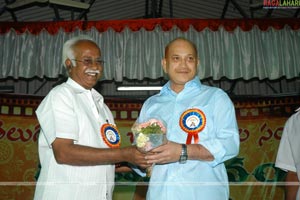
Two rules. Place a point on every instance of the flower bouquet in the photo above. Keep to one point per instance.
(149, 135)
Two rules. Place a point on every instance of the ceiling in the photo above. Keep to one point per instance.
(94, 10)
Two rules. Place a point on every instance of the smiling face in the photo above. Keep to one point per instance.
(85, 73)
(180, 63)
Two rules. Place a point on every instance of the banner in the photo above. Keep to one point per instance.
(252, 173)
(18, 149)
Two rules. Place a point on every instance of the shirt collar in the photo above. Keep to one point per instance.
(75, 86)
(195, 82)
(79, 89)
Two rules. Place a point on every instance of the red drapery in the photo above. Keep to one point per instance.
(149, 24)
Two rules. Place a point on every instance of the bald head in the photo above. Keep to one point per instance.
(169, 45)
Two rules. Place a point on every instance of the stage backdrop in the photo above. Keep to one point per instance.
(252, 173)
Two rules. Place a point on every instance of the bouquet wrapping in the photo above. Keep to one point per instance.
(149, 135)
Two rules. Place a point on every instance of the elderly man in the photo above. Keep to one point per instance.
(79, 141)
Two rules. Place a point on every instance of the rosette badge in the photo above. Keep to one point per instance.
(149, 134)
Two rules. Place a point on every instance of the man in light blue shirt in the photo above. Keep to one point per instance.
(202, 131)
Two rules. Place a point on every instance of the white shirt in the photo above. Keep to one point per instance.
(288, 156)
(69, 111)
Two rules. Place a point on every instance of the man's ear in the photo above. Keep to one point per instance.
(69, 64)
(164, 65)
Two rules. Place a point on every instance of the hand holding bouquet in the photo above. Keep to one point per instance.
(149, 135)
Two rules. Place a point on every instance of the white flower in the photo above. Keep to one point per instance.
(141, 140)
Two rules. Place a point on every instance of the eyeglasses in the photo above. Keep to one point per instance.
(90, 62)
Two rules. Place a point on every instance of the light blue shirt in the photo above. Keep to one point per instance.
(195, 179)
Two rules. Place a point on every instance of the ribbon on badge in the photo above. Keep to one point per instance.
(111, 135)
(192, 121)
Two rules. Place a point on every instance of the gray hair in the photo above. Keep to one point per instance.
(68, 51)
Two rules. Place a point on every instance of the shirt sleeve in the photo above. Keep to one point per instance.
(56, 116)
(284, 159)
(226, 143)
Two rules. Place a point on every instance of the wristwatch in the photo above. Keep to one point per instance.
(183, 156)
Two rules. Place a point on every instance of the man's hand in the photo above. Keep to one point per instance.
(166, 153)
(134, 156)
